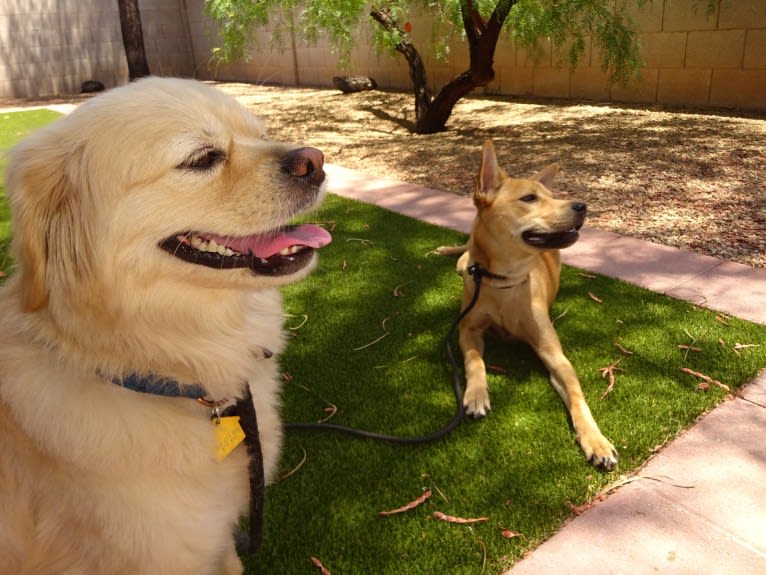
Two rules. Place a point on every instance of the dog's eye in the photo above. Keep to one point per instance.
(203, 159)
(529, 198)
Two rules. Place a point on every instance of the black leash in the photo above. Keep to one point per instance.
(477, 272)
(245, 409)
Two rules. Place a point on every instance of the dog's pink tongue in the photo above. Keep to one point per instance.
(267, 245)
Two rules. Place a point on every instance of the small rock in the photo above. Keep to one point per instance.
(349, 84)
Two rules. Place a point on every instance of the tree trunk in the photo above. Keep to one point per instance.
(431, 114)
(482, 40)
(435, 117)
(417, 68)
(133, 38)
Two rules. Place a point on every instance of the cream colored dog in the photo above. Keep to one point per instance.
(518, 231)
(150, 236)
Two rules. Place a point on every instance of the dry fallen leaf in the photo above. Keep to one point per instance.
(373, 342)
(657, 447)
(738, 346)
(459, 520)
(397, 291)
(579, 509)
(608, 371)
(322, 569)
(623, 350)
(408, 506)
(706, 378)
(689, 347)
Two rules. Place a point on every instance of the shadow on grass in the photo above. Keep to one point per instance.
(376, 290)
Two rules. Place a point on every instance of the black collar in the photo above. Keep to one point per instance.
(478, 273)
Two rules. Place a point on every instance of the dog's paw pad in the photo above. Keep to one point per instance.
(476, 405)
(601, 455)
(604, 463)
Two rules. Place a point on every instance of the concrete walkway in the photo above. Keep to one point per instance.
(699, 506)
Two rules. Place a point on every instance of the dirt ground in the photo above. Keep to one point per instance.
(693, 180)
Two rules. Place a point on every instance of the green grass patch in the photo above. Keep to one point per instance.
(14, 126)
(367, 336)
(520, 466)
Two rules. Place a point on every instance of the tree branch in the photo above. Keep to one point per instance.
(473, 23)
(417, 68)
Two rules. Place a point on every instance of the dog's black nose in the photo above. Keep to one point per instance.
(579, 207)
(305, 163)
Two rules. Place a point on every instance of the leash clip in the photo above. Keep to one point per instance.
(476, 272)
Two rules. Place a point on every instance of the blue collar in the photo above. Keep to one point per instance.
(164, 387)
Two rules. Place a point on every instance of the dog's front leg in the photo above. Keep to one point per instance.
(476, 397)
(597, 448)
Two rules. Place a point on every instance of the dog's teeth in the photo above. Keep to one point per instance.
(291, 250)
(211, 246)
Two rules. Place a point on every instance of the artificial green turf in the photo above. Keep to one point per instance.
(520, 466)
(13, 127)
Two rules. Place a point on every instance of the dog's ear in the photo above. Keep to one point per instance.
(490, 176)
(47, 223)
(546, 175)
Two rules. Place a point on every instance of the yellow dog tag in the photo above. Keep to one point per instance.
(229, 434)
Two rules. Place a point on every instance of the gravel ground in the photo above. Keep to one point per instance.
(692, 179)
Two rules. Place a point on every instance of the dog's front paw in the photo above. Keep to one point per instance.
(476, 402)
(599, 452)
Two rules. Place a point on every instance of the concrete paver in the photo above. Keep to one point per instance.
(733, 288)
(704, 511)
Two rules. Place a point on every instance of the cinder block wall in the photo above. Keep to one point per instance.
(49, 47)
(691, 58)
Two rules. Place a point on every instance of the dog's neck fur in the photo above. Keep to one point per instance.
(514, 269)
(116, 345)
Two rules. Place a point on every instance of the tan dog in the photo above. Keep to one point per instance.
(150, 239)
(518, 230)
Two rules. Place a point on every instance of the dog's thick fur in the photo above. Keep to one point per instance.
(94, 477)
(516, 236)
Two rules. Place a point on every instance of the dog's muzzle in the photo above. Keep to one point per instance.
(557, 240)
